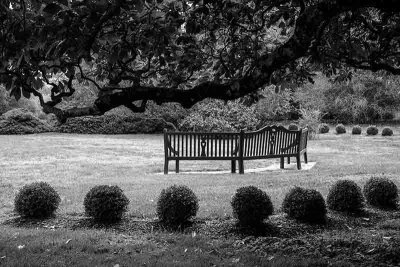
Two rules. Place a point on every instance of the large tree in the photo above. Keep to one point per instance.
(184, 51)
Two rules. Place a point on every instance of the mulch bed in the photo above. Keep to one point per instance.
(369, 239)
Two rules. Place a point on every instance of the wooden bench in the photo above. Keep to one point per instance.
(268, 142)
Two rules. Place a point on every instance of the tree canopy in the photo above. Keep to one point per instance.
(185, 51)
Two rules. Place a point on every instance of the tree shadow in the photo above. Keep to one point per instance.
(27, 222)
(264, 229)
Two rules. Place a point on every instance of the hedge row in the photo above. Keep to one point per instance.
(178, 204)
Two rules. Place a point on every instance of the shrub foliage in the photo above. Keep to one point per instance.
(251, 206)
(176, 205)
(365, 99)
(346, 196)
(381, 192)
(372, 130)
(356, 129)
(293, 127)
(105, 203)
(310, 119)
(323, 128)
(37, 200)
(340, 129)
(387, 132)
(305, 205)
(213, 115)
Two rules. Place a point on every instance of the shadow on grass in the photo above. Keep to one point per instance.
(19, 221)
(265, 229)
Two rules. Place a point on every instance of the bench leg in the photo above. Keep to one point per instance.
(282, 162)
(305, 157)
(241, 166)
(166, 167)
(298, 162)
(288, 160)
(177, 166)
(233, 166)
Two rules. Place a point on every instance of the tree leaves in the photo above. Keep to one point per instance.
(52, 8)
(16, 92)
(26, 93)
(64, 2)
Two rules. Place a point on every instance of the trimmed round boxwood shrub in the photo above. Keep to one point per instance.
(356, 129)
(293, 127)
(251, 206)
(381, 192)
(387, 132)
(372, 130)
(176, 205)
(305, 205)
(340, 129)
(37, 200)
(106, 203)
(323, 128)
(346, 196)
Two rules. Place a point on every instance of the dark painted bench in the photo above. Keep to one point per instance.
(268, 142)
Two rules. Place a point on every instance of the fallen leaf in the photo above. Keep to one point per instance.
(348, 227)
(370, 251)
(3, 257)
(215, 252)
(235, 260)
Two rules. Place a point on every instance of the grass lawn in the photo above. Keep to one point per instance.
(72, 164)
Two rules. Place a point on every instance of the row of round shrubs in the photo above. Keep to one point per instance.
(341, 129)
(177, 204)
(106, 203)
(251, 205)
(371, 130)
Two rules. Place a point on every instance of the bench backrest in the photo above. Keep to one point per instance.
(268, 141)
(196, 145)
(271, 140)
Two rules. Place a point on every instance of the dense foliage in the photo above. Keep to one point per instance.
(273, 105)
(387, 131)
(323, 128)
(340, 129)
(214, 115)
(310, 119)
(372, 130)
(293, 127)
(356, 129)
(186, 51)
(346, 196)
(37, 200)
(367, 98)
(22, 121)
(306, 205)
(251, 206)
(105, 203)
(176, 205)
(381, 192)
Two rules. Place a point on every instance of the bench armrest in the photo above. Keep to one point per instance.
(303, 139)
